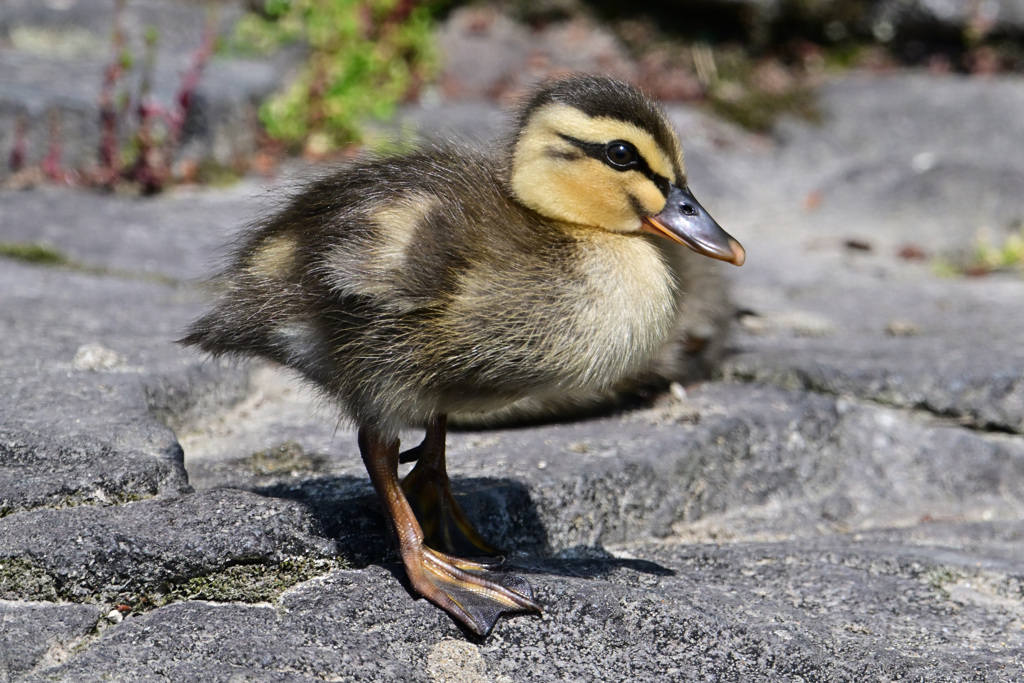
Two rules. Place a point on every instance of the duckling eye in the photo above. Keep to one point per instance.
(620, 155)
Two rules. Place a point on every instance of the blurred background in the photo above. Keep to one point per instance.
(140, 94)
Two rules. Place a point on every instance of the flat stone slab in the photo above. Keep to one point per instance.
(904, 338)
(729, 461)
(41, 633)
(891, 606)
(905, 161)
(125, 550)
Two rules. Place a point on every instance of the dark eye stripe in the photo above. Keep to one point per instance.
(599, 151)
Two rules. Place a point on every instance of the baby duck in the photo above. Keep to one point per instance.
(448, 281)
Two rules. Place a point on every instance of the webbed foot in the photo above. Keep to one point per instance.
(470, 590)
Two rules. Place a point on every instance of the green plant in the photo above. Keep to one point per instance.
(989, 256)
(365, 56)
(37, 253)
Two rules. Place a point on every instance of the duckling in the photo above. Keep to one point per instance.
(450, 281)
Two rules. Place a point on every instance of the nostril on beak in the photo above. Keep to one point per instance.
(688, 209)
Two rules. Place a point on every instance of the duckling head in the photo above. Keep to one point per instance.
(594, 151)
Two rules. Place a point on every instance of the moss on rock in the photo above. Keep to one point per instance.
(20, 579)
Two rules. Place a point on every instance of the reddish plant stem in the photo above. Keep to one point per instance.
(51, 164)
(185, 97)
(109, 153)
(150, 169)
(19, 147)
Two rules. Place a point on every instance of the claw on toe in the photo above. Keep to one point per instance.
(474, 595)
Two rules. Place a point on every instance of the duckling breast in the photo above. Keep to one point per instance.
(628, 308)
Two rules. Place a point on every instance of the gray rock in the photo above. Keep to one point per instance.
(88, 352)
(863, 321)
(887, 607)
(910, 158)
(114, 235)
(1001, 15)
(958, 356)
(84, 355)
(40, 633)
(729, 461)
(81, 432)
(882, 20)
(488, 54)
(137, 549)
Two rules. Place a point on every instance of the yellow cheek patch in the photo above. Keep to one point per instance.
(652, 201)
(552, 176)
(581, 191)
(597, 197)
(275, 258)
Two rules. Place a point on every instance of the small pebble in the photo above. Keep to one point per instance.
(923, 162)
(755, 324)
(912, 252)
(901, 328)
(96, 357)
(114, 617)
(804, 324)
(858, 245)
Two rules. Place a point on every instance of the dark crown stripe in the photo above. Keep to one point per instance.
(598, 96)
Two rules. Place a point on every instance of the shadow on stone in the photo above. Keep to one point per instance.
(502, 510)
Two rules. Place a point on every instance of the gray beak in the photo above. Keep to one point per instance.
(685, 221)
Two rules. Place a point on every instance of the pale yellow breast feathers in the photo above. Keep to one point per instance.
(632, 305)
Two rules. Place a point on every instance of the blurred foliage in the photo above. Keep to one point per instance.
(753, 62)
(758, 110)
(750, 62)
(753, 89)
(990, 256)
(33, 253)
(364, 58)
(987, 256)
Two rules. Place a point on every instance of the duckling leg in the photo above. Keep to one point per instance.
(428, 489)
(465, 589)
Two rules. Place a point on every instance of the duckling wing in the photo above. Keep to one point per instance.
(355, 240)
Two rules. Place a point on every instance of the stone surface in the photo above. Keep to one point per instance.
(122, 550)
(488, 54)
(888, 606)
(35, 633)
(882, 20)
(844, 503)
(910, 159)
(839, 310)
